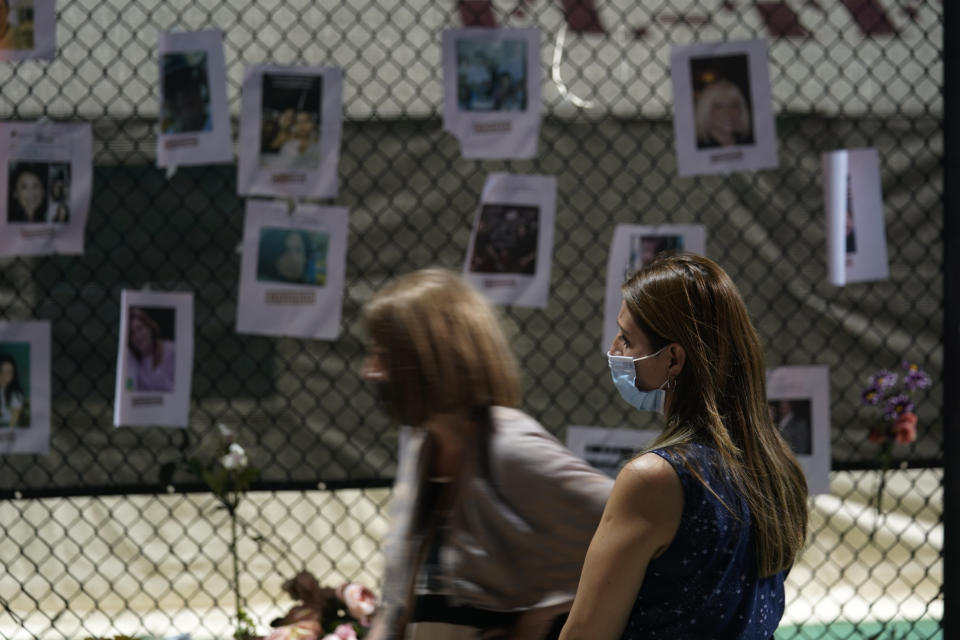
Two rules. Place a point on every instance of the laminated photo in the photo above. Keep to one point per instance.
(607, 449)
(722, 108)
(798, 398)
(45, 183)
(511, 244)
(194, 123)
(633, 246)
(28, 30)
(491, 89)
(155, 359)
(290, 131)
(25, 387)
(856, 231)
(293, 270)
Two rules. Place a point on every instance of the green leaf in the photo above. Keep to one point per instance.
(217, 481)
(246, 477)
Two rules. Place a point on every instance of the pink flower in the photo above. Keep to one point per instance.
(342, 632)
(905, 428)
(360, 601)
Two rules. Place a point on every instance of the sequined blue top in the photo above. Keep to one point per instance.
(705, 585)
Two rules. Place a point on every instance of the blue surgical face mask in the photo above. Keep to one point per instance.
(624, 375)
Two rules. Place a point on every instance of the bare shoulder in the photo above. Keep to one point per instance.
(649, 471)
(650, 485)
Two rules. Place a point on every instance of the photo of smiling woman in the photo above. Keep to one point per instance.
(721, 90)
(151, 352)
(27, 192)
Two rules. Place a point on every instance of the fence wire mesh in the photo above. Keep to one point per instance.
(92, 542)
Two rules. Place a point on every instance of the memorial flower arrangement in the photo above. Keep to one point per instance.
(323, 613)
(891, 393)
(228, 473)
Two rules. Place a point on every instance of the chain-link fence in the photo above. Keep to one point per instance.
(94, 544)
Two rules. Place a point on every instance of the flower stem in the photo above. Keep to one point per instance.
(236, 565)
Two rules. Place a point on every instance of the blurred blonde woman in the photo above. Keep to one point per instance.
(699, 532)
(491, 514)
(722, 117)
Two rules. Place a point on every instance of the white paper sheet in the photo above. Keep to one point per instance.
(29, 30)
(25, 387)
(290, 131)
(632, 247)
(799, 401)
(608, 449)
(491, 91)
(722, 109)
(511, 245)
(45, 179)
(194, 125)
(293, 270)
(154, 360)
(856, 231)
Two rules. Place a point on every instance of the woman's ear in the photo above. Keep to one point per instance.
(677, 357)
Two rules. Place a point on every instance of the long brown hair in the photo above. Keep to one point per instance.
(720, 398)
(446, 351)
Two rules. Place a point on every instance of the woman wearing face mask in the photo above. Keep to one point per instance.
(491, 514)
(700, 531)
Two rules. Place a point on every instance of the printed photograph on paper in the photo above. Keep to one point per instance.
(792, 418)
(798, 399)
(186, 93)
(491, 91)
(721, 101)
(151, 349)
(290, 121)
(294, 256)
(723, 111)
(24, 387)
(293, 270)
(194, 119)
(154, 359)
(38, 192)
(45, 184)
(506, 239)
(511, 243)
(856, 229)
(491, 74)
(14, 385)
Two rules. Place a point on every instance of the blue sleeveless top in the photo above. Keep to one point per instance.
(705, 585)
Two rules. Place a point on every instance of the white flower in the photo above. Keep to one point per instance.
(236, 458)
